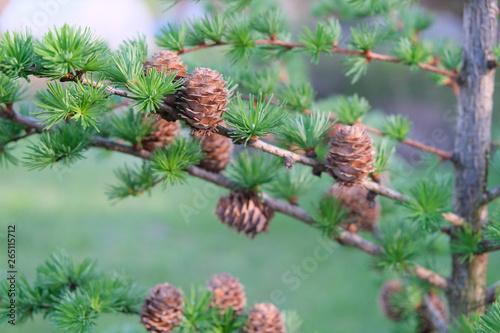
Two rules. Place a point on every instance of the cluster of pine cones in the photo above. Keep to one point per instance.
(162, 310)
(202, 103)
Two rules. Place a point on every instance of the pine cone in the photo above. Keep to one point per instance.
(162, 309)
(244, 211)
(364, 213)
(265, 318)
(351, 155)
(227, 293)
(389, 289)
(204, 99)
(164, 133)
(167, 60)
(217, 149)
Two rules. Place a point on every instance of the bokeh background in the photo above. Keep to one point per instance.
(172, 235)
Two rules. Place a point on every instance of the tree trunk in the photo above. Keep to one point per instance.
(475, 103)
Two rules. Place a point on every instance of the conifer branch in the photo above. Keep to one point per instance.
(435, 316)
(345, 238)
(368, 55)
(490, 195)
(489, 246)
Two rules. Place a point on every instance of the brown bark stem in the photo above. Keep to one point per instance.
(467, 283)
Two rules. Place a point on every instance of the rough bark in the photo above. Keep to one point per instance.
(467, 282)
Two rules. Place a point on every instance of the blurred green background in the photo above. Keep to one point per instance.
(153, 240)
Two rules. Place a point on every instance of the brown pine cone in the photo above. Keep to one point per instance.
(162, 309)
(228, 292)
(364, 213)
(167, 60)
(164, 133)
(265, 318)
(204, 99)
(351, 155)
(245, 212)
(217, 150)
(389, 289)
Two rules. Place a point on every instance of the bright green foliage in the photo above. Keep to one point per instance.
(132, 126)
(306, 131)
(9, 131)
(412, 53)
(150, 89)
(378, 6)
(489, 322)
(330, 215)
(16, 53)
(462, 324)
(340, 8)
(70, 50)
(210, 28)
(414, 20)
(172, 37)
(385, 150)
(451, 57)
(65, 144)
(350, 109)
(75, 102)
(366, 37)
(269, 23)
(241, 39)
(406, 300)
(397, 127)
(10, 89)
(356, 67)
(246, 170)
(139, 42)
(400, 245)
(429, 199)
(126, 64)
(72, 295)
(298, 96)
(323, 39)
(265, 80)
(132, 181)
(466, 243)
(171, 161)
(291, 184)
(255, 118)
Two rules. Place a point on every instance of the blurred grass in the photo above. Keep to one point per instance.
(149, 239)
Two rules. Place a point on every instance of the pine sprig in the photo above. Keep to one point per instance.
(385, 150)
(71, 50)
(132, 181)
(76, 102)
(326, 35)
(210, 27)
(126, 64)
(489, 322)
(356, 67)
(429, 200)
(265, 80)
(66, 144)
(306, 131)
(366, 37)
(330, 215)
(412, 53)
(172, 37)
(492, 232)
(269, 23)
(350, 110)
(255, 118)
(299, 96)
(171, 161)
(466, 243)
(10, 89)
(74, 313)
(397, 127)
(150, 89)
(241, 39)
(246, 170)
(400, 245)
(132, 126)
(291, 184)
(16, 53)
(463, 324)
